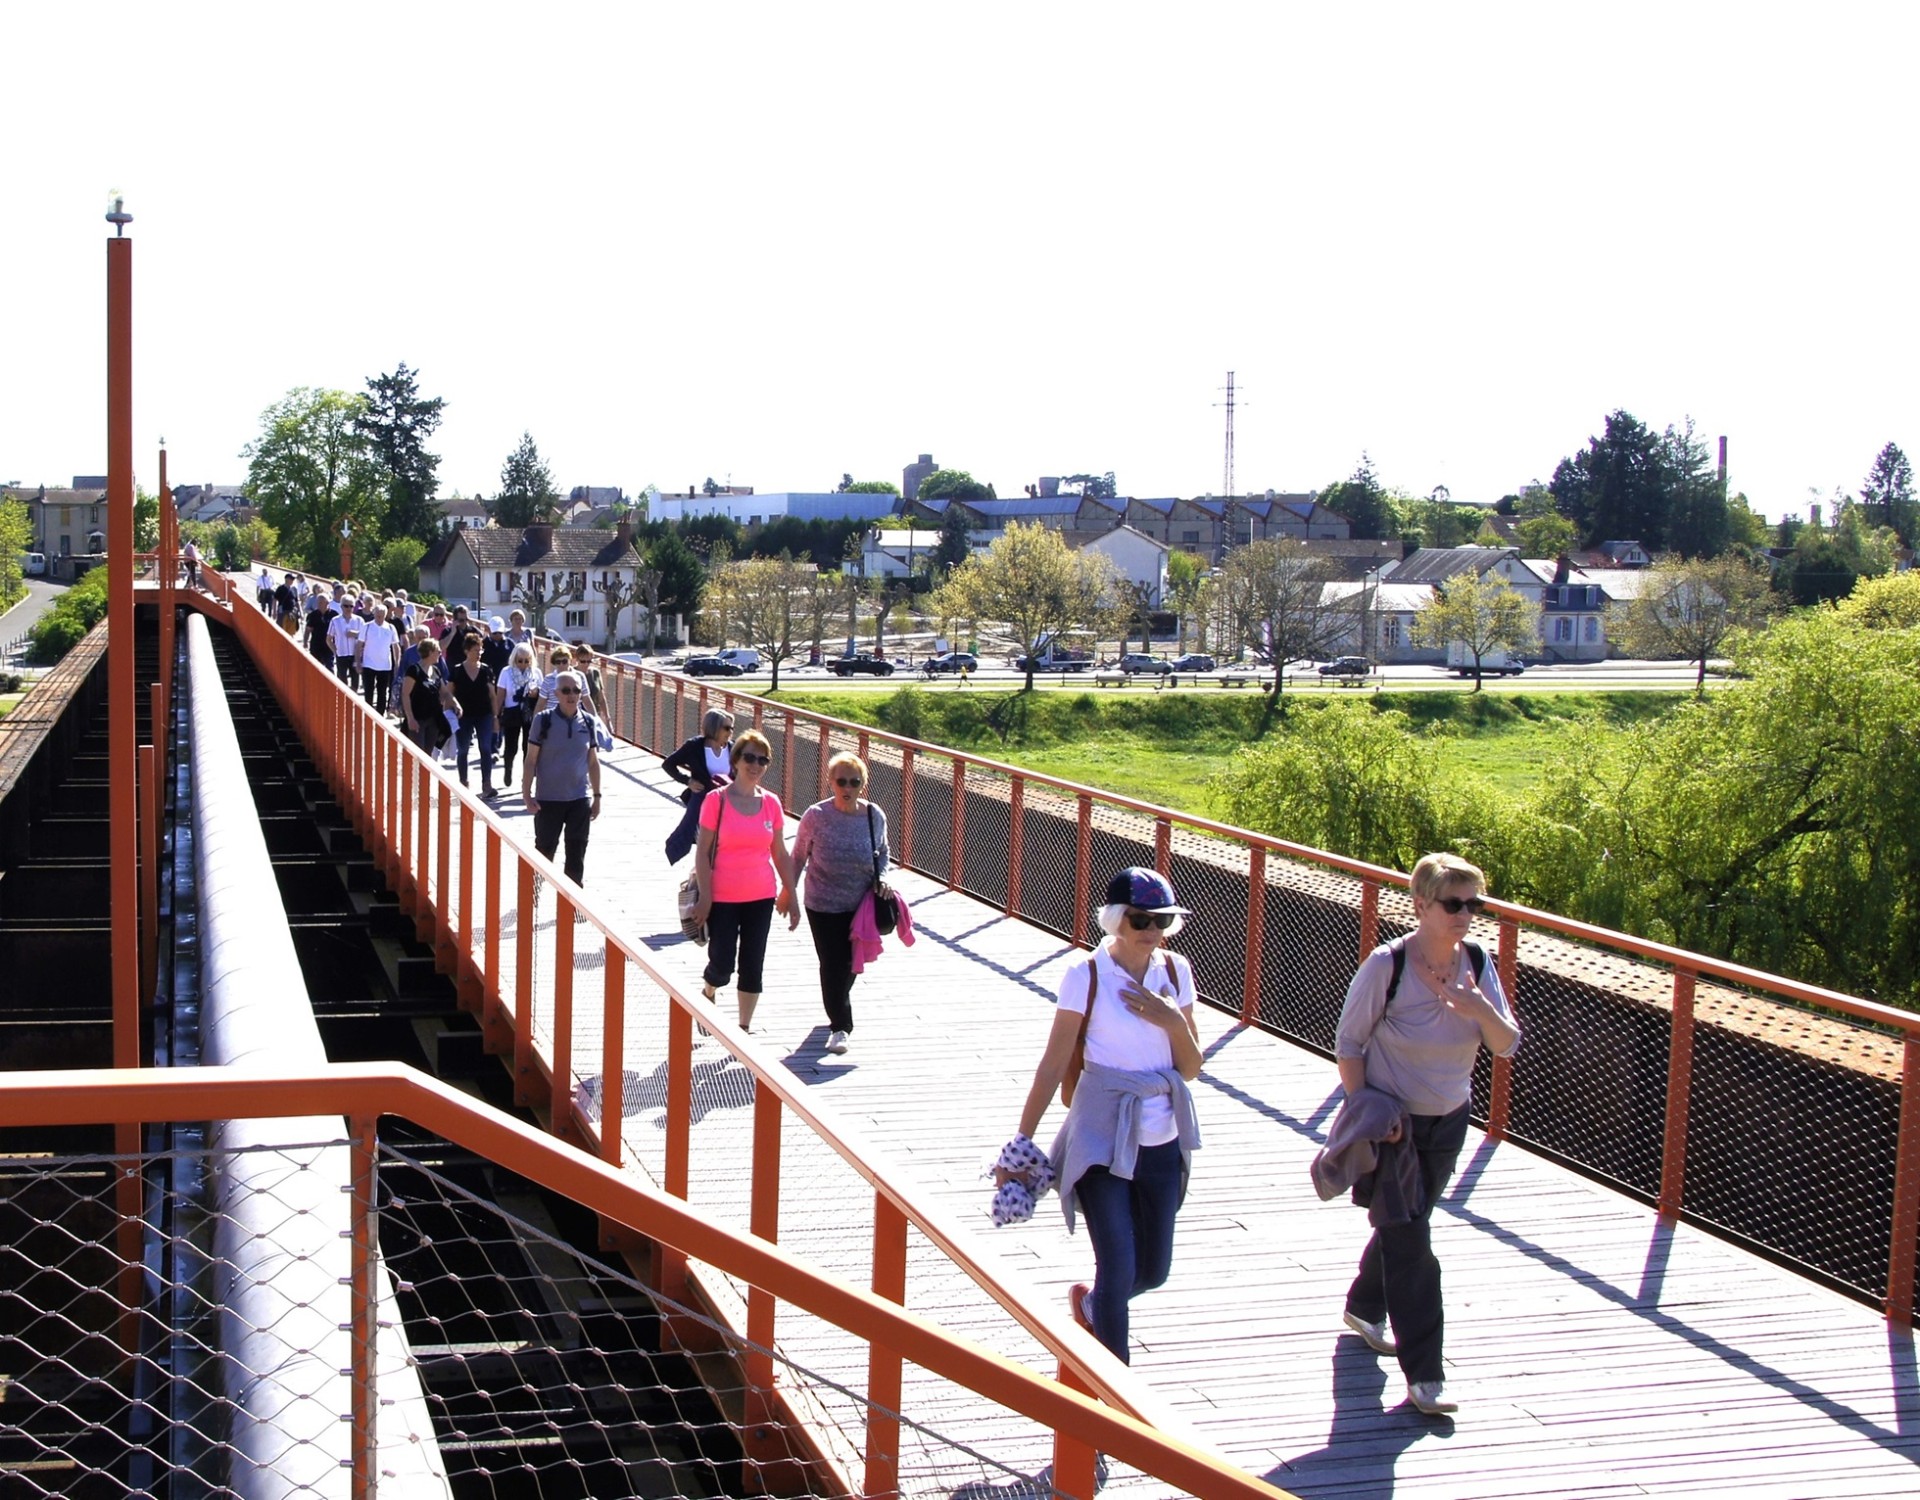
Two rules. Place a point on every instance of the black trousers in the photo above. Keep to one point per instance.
(377, 684)
(1399, 1274)
(833, 945)
(513, 737)
(742, 926)
(574, 819)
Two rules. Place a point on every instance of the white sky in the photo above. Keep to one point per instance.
(776, 243)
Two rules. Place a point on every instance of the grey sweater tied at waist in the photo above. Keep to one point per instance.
(1102, 1128)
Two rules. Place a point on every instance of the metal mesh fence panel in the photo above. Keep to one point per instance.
(1049, 841)
(985, 850)
(1309, 947)
(932, 844)
(1211, 878)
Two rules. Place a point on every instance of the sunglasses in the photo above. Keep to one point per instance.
(1454, 905)
(754, 760)
(569, 692)
(852, 781)
(1140, 921)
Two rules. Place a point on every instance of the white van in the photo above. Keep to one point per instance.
(744, 657)
(33, 564)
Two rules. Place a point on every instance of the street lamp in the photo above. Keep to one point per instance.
(1368, 587)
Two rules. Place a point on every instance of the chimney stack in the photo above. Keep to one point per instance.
(540, 536)
(1723, 462)
(623, 533)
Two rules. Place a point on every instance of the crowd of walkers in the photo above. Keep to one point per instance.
(1123, 1047)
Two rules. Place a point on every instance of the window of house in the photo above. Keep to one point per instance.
(66, 515)
(1562, 628)
(1593, 628)
(497, 590)
(1190, 538)
(579, 582)
(1390, 631)
(576, 619)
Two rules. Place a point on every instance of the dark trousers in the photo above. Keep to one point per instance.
(833, 945)
(741, 925)
(574, 819)
(1399, 1274)
(513, 736)
(348, 671)
(1131, 1226)
(463, 739)
(376, 683)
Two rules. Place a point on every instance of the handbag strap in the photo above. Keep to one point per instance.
(873, 838)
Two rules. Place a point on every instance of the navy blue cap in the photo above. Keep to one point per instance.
(1144, 890)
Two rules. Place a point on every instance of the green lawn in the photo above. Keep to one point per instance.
(1163, 749)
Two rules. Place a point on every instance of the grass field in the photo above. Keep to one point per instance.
(1164, 749)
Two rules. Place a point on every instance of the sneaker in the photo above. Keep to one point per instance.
(1431, 1397)
(836, 1042)
(1080, 1300)
(1374, 1333)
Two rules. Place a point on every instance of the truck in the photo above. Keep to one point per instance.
(1055, 657)
(1494, 662)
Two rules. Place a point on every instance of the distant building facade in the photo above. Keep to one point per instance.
(490, 570)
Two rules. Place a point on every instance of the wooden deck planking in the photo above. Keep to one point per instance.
(1596, 1354)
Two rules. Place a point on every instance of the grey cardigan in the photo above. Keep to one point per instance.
(1102, 1128)
(1384, 1176)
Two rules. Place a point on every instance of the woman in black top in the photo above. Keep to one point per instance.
(700, 765)
(424, 699)
(473, 692)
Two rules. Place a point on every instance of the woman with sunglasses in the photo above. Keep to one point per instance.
(1123, 1156)
(1417, 1013)
(737, 891)
(841, 848)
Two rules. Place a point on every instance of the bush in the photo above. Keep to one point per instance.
(398, 565)
(64, 626)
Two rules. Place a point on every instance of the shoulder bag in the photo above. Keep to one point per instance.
(689, 897)
(886, 905)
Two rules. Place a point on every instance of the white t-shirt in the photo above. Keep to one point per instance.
(719, 763)
(1117, 1038)
(341, 631)
(377, 643)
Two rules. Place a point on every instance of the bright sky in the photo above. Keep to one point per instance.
(779, 243)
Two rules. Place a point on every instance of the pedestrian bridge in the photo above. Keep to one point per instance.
(1679, 1252)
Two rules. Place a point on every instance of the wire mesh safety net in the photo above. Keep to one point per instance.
(168, 1352)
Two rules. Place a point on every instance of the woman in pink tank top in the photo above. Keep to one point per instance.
(740, 855)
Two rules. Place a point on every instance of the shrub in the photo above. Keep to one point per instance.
(64, 626)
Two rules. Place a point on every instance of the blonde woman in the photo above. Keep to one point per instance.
(840, 850)
(738, 896)
(1416, 1016)
(514, 696)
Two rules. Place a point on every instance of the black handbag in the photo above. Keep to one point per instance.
(886, 905)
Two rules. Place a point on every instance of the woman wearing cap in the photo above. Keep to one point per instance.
(1417, 1013)
(1123, 1155)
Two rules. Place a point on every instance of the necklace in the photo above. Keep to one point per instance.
(1438, 975)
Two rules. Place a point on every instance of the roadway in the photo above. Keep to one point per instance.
(17, 621)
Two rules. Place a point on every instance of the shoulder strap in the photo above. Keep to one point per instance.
(1398, 948)
(1477, 956)
(873, 838)
(1093, 991)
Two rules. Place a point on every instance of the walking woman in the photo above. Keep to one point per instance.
(473, 690)
(737, 879)
(840, 849)
(699, 765)
(1417, 1013)
(513, 697)
(426, 698)
(1123, 1156)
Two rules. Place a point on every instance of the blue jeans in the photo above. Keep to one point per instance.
(463, 738)
(1131, 1226)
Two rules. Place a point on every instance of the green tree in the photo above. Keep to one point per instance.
(1483, 614)
(1034, 583)
(953, 484)
(870, 487)
(1632, 483)
(16, 536)
(1691, 608)
(1697, 522)
(397, 565)
(1362, 500)
(234, 547)
(771, 599)
(396, 423)
(526, 486)
(309, 470)
(952, 549)
(146, 519)
(1542, 531)
(682, 579)
(1275, 590)
(1184, 575)
(1887, 494)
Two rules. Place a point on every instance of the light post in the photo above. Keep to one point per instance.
(1369, 586)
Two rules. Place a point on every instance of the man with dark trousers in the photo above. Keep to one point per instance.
(563, 764)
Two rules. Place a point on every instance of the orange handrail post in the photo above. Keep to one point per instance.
(123, 769)
(149, 867)
(882, 1481)
(460, 924)
(613, 1053)
(786, 764)
(763, 1220)
(1369, 917)
(1074, 1461)
(905, 852)
(522, 1018)
(1016, 828)
(490, 979)
(1163, 844)
(956, 855)
(363, 1302)
(1906, 1190)
(1673, 1153)
(443, 866)
(823, 755)
(1082, 870)
(423, 800)
(670, 1265)
(1256, 934)
(1500, 1104)
(560, 1109)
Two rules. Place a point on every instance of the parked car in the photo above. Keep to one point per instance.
(1193, 661)
(711, 666)
(953, 661)
(861, 663)
(744, 657)
(1133, 661)
(33, 564)
(1346, 666)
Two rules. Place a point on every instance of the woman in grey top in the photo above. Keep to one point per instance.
(836, 850)
(1414, 1036)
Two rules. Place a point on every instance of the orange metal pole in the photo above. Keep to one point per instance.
(1369, 916)
(149, 866)
(763, 1220)
(523, 987)
(169, 572)
(123, 771)
(884, 1364)
(957, 841)
(613, 1046)
(1082, 870)
(1500, 1104)
(460, 919)
(1256, 934)
(490, 981)
(423, 779)
(560, 1114)
(824, 755)
(1906, 1190)
(903, 851)
(1075, 1463)
(1016, 832)
(443, 865)
(670, 1265)
(1162, 845)
(786, 764)
(363, 1303)
(1673, 1154)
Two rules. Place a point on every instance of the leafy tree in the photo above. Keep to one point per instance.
(16, 536)
(526, 486)
(397, 565)
(146, 519)
(952, 549)
(1692, 608)
(1659, 489)
(1036, 584)
(1275, 589)
(1697, 522)
(953, 484)
(1362, 500)
(1542, 531)
(233, 547)
(870, 487)
(309, 470)
(1482, 613)
(1746, 527)
(1891, 602)
(771, 600)
(396, 423)
(1888, 493)
(1825, 565)
(682, 579)
(1184, 575)
(707, 534)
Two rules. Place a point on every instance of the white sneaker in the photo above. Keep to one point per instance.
(1374, 1333)
(1431, 1397)
(836, 1041)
